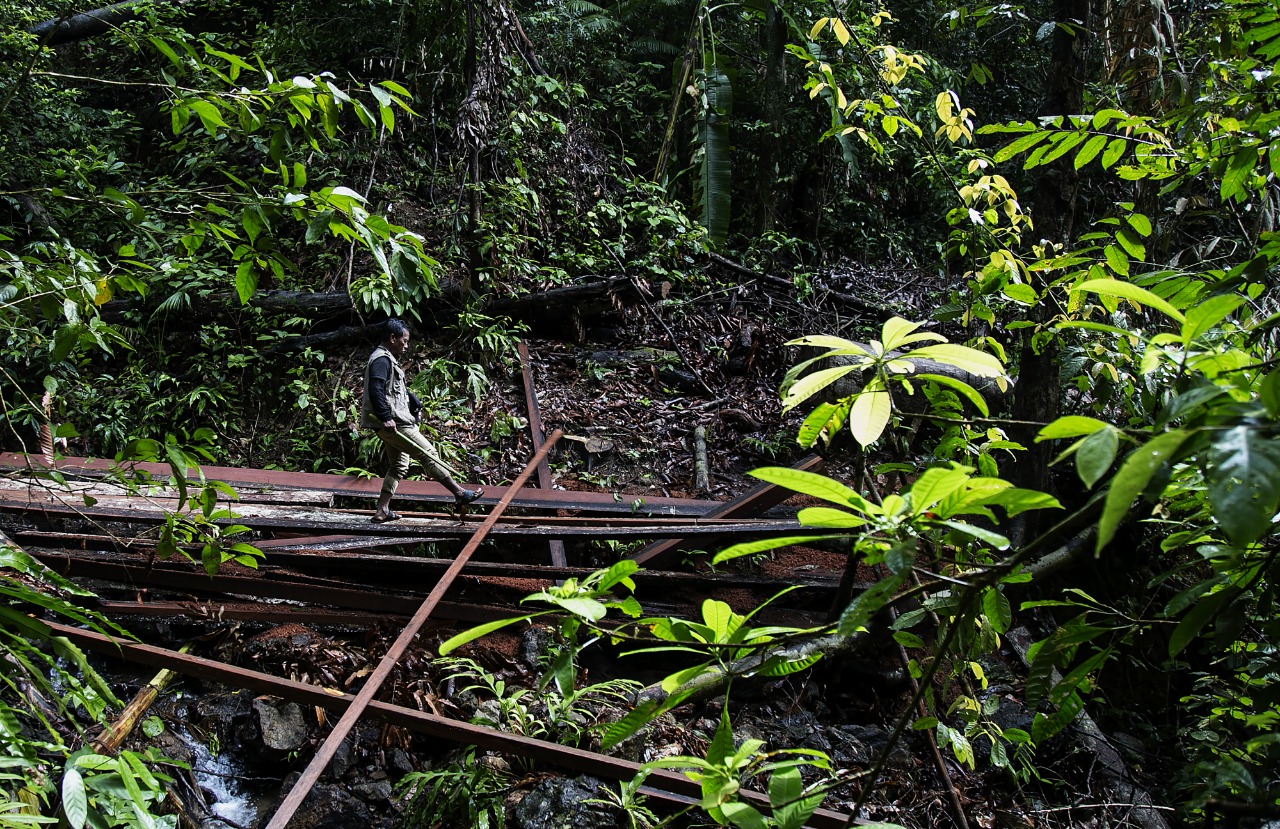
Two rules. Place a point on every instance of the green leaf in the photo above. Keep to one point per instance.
(1114, 150)
(934, 485)
(1203, 316)
(1019, 145)
(962, 357)
(868, 604)
(721, 746)
(590, 609)
(1140, 223)
(1269, 392)
(1045, 727)
(1131, 292)
(636, 719)
(897, 332)
(870, 413)
(1193, 622)
(743, 815)
(246, 281)
(1243, 469)
(825, 419)
(1090, 150)
(75, 801)
(785, 786)
(1020, 292)
(1132, 246)
(995, 539)
(811, 483)
(969, 392)
(811, 384)
(781, 666)
(829, 517)
(209, 114)
(165, 50)
(1095, 455)
(719, 617)
(1116, 259)
(1132, 477)
(1071, 426)
(748, 548)
(995, 606)
(1239, 170)
(455, 642)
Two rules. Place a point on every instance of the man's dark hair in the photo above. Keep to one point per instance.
(396, 327)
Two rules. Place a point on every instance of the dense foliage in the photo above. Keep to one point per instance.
(1098, 189)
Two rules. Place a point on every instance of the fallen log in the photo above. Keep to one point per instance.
(85, 25)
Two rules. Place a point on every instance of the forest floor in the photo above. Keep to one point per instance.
(629, 397)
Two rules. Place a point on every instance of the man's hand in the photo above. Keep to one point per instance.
(389, 424)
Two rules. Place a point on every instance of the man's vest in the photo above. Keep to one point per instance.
(397, 393)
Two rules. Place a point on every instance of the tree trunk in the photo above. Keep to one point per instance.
(470, 64)
(1037, 398)
(775, 83)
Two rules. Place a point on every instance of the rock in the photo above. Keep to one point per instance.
(803, 729)
(534, 642)
(375, 792)
(399, 761)
(282, 725)
(327, 807)
(558, 803)
(342, 759)
(873, 740)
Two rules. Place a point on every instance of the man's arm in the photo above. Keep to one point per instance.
(379, 376)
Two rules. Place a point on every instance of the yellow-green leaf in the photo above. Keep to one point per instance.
(870, 413)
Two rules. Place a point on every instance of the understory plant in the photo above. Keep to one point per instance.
(50, 703)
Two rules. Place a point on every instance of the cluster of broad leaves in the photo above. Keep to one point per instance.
(49, 705)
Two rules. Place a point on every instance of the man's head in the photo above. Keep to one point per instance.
(397, 338)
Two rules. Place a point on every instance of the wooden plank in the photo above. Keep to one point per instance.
(753, 502)
(349, 486)
(555, 546)
(159, 489)
(315, 521)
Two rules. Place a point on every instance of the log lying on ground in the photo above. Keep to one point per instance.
(310, 304)
(547, 310)
(85, 25)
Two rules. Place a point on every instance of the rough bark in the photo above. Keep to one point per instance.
(775, 88)
(85, 25)
(1039, 392)
(545, 312)
(312, 305)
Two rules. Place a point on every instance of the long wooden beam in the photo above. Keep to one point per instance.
(536, 433)
(368, 488)
(264, 517)
(751, 503)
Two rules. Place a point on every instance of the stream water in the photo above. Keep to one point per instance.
(222, 781)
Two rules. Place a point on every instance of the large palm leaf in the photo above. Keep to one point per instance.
(715, 169)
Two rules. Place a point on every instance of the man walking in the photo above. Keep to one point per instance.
(389, 407)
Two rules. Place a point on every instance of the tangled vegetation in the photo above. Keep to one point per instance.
(191, 189)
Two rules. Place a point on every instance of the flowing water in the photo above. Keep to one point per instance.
(221, 779)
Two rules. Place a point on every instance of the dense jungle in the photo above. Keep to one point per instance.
(1008, 267)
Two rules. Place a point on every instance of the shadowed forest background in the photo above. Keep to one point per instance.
(744, 216)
